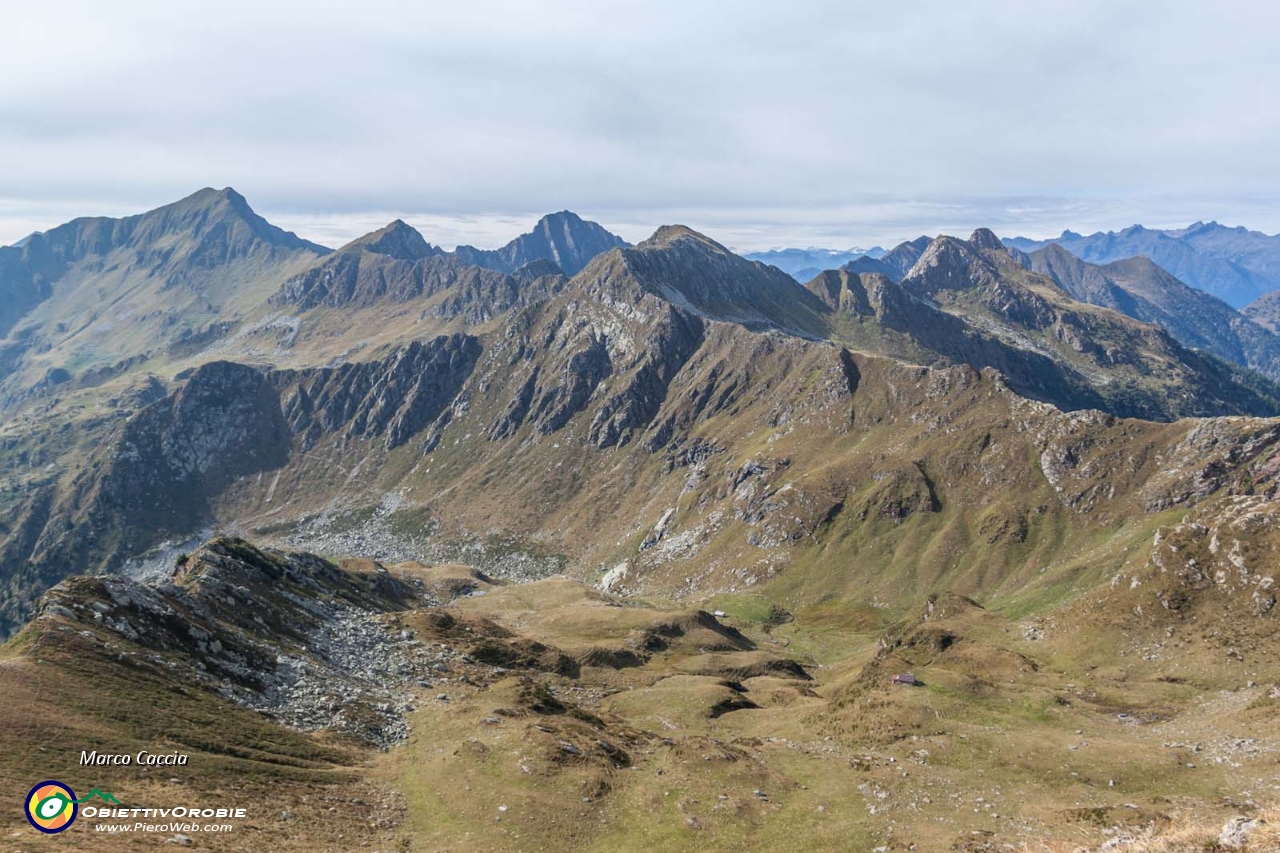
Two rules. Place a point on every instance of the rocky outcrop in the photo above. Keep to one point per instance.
(842, 290)
(563, 393)
(288, 634)
(664, 353)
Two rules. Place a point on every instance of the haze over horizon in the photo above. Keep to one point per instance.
(820, 127)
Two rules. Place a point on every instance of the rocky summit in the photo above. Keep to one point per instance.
(577, 544)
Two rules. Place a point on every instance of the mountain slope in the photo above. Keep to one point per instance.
(1233, 264)
(973, 302)
(695, 272)
(1142, 290)
(563, 238)
(21, 287)
(409, 373)
(369, 705)
(1151, 375)
(888, 319)
(922, 472)
(95, 293)
(1265, 311)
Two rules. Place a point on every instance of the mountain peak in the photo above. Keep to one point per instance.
(670, 235)
(564, 238)
(695, 273)
(216, 221)
(208, 198)
(949, 263)
(985, 238)
(397, 239)
(561, 217)
(1053, 250)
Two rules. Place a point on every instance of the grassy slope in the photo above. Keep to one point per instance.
(1011, 739)
(1007, 742)
(64, 695)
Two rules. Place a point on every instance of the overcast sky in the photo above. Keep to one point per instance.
(761, 123)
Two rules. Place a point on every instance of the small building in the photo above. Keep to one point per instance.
(906, 678)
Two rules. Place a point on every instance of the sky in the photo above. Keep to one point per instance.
(762, 124)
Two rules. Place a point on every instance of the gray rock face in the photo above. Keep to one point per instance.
(391, 399)
(985, 238)
(157, 477)
(173, 454)
(668, 347)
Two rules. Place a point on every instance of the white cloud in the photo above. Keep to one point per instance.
(850, 123)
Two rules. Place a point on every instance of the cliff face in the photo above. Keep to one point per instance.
(391, 399)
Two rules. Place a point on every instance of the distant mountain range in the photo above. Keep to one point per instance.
(1136, 287)
(1235, 264)
(1141, 289)
(804, 264)
(157, 367)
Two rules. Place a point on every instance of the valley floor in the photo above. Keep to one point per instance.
(558, 718)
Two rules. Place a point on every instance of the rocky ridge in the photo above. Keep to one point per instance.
(288, 634)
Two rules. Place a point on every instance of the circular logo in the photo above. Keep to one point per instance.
(51, 807)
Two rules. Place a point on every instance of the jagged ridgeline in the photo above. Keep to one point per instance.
(686, 420)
